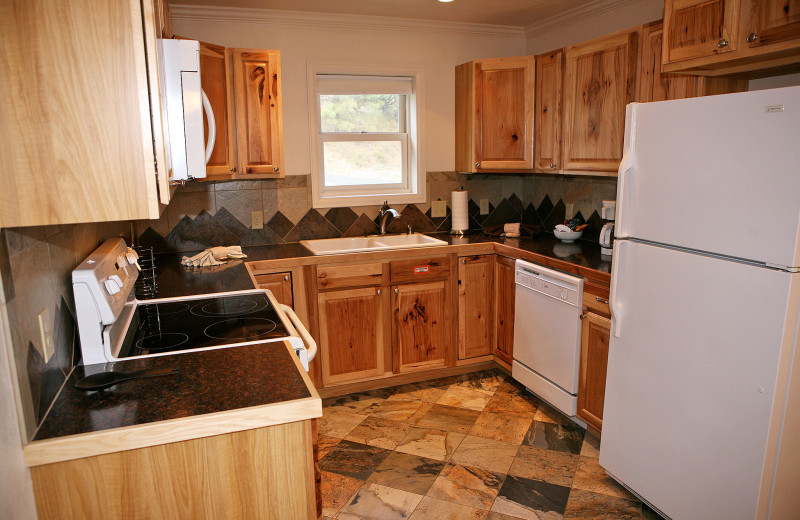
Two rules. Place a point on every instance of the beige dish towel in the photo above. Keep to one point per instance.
(213, 256)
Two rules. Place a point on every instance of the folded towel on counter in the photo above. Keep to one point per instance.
(512, 230)
(213, 256)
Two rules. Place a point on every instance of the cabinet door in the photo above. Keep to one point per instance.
(475, 306)
(279, 284)
(773, 21)
(505, 286)
(504, 113)
(699, 28)
(215, 78)
(594, 360)
(549, 79)
(352, 334)
(654, 85)
(421, 327)
(600, 81)
(259, 129)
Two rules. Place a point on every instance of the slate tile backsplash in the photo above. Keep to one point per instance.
(223, 218)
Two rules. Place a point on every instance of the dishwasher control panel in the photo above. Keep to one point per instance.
(552, 283)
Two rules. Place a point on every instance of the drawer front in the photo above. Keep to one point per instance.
(597, 303)
(356, 275)
(420, 270)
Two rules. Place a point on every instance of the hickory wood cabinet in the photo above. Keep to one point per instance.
(713, 37)
(280, 284)
(494, 114)
(244, 90)
(595, 333)
(548, 115)
(505, 288)
(88, 147)
(475, 306)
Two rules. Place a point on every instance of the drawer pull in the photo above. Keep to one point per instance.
(379, 291)
(601, 300)
(285, 278)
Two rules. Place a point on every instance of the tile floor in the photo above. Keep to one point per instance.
(477, 446)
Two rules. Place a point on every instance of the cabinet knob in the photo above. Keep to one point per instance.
(233, 170)
(722, 43)
(286, 278)
(463, 260)
(553, 165)
(275, 169)
(379, 291)
(477, 165)
(752, 37)
(249, 170)
(396, 290)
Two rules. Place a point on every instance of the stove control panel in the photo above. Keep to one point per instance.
(103, 282)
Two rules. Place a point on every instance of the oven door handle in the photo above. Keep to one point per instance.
(311, 345)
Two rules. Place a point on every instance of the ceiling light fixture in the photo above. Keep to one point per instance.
(445, 1)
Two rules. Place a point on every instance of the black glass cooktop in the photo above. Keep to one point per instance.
(206, 322)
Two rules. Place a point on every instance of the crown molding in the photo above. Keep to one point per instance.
(576, 14)
(337, 21)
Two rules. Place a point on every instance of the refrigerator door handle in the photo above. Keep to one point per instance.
(625, 167)
(616, 306)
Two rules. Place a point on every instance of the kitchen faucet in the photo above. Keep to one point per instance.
(386, 216)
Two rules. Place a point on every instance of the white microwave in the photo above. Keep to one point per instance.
(184, 103)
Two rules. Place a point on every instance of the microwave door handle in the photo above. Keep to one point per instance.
(212, 126)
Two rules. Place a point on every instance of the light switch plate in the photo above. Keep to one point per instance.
(484, 204)
(570, 212)
(438, 209)
(257, 219)
(46, 334)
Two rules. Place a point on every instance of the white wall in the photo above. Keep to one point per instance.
(361, 41)
(592, 21)
(789, 80)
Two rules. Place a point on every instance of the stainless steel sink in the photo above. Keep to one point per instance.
(334, 246)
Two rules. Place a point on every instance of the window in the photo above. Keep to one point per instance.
(367, 147)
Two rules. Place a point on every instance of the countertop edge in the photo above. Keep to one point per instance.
(102, 442)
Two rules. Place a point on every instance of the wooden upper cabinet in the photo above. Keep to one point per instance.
(352, 334)
(505, 287)
(259, 118)
(475, 306)
(772, 21)
(699, 28)
(494, 114)
(421, 328)
(215, 78)
(79, 121)
(600, 80)
(547, 120)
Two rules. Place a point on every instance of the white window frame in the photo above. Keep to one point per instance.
(412, 189)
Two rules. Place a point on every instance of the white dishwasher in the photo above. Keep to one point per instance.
(547, 333)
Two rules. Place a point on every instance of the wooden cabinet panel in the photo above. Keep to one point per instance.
(475, 306)
(259, 119)
(699, 28)
(215, 78)
(600, 80)
(494, 114)
(78, 131)
(421, 328)
(547, 120)
(773, 21)
(280, 284)
(350, 275)
(594, 361)
(352, 334)
(420, 270)
(505, 288)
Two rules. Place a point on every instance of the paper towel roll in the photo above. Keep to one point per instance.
(459, 201)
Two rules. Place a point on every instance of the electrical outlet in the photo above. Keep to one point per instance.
(484, 204)
(570, 211)
(257, 219)
(46, 334)
(438, 209)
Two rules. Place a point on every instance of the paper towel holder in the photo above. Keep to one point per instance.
(459, 232)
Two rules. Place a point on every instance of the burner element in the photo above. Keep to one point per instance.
(164, 309)
(162, 341)
(227, 307)
(244, 329)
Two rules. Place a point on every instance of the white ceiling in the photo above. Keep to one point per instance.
(517, 13)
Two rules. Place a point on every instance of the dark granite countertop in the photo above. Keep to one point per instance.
(211, 381)
(175, 280)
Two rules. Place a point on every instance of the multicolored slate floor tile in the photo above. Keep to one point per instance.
(477, 446)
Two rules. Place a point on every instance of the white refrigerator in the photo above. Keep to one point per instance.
(702, 407)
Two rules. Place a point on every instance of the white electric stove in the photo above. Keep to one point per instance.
(114, 325)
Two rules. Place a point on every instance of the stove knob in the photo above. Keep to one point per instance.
(111, 287)
(116, 279)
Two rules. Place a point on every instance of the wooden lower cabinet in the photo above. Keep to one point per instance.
(505, 287)
(280, 284)
(421, 327)
(260, 473)
(352, 333)
(594, 361)
(475, 306)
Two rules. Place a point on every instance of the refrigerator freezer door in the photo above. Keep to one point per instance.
(691, 378)
(719, 174)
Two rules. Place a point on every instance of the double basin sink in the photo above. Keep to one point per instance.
(334, 246)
